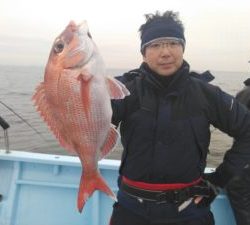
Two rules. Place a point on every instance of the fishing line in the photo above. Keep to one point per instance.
(25, 121)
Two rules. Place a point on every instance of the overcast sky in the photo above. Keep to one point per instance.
(217, 31)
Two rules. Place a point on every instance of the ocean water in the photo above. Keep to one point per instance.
(17, 85)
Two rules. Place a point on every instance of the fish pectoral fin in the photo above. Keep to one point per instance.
(110, 142)
(84, 76)
(117, 90)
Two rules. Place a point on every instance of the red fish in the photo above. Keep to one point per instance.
(74, 101)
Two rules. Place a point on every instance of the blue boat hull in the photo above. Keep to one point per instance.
(39, 189)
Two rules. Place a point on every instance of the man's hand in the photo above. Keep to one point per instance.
(203, 201)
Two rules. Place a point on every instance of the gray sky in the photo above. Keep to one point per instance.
(217, 31)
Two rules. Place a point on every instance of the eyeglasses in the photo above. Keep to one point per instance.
(170, 44)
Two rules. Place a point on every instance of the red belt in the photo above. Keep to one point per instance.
(174, 193)
(158, 187)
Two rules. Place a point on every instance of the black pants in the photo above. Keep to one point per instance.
(123, 216)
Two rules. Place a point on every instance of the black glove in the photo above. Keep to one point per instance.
(221, 176)
(213, 191)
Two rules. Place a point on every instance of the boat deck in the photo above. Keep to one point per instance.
(40, 189)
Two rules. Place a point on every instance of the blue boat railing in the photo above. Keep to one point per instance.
(39, 189)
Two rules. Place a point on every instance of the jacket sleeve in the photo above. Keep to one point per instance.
(118, 108)
(233, 118)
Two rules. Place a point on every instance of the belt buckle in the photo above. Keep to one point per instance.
(180, 196)
(173, 196)
(168, 196)
(176, 196)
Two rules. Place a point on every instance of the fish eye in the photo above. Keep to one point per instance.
(89, 35)
(59, 46)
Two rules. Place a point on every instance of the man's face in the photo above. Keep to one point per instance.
(164, 57)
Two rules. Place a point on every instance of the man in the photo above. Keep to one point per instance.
(238, 188)
(243, 96)
(164, 126)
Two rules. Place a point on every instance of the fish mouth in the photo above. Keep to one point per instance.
(84, 50)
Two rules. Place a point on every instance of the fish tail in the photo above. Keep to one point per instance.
(88, 185)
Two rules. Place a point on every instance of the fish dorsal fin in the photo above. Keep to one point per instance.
(110, 142)
(117, 90)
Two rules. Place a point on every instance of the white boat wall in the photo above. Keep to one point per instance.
(41, 189)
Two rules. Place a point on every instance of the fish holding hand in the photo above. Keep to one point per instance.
(74, 101)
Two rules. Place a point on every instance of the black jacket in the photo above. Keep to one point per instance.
(165, 130)
(243, 95)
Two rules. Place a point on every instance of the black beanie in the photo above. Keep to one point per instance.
(159, 29)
